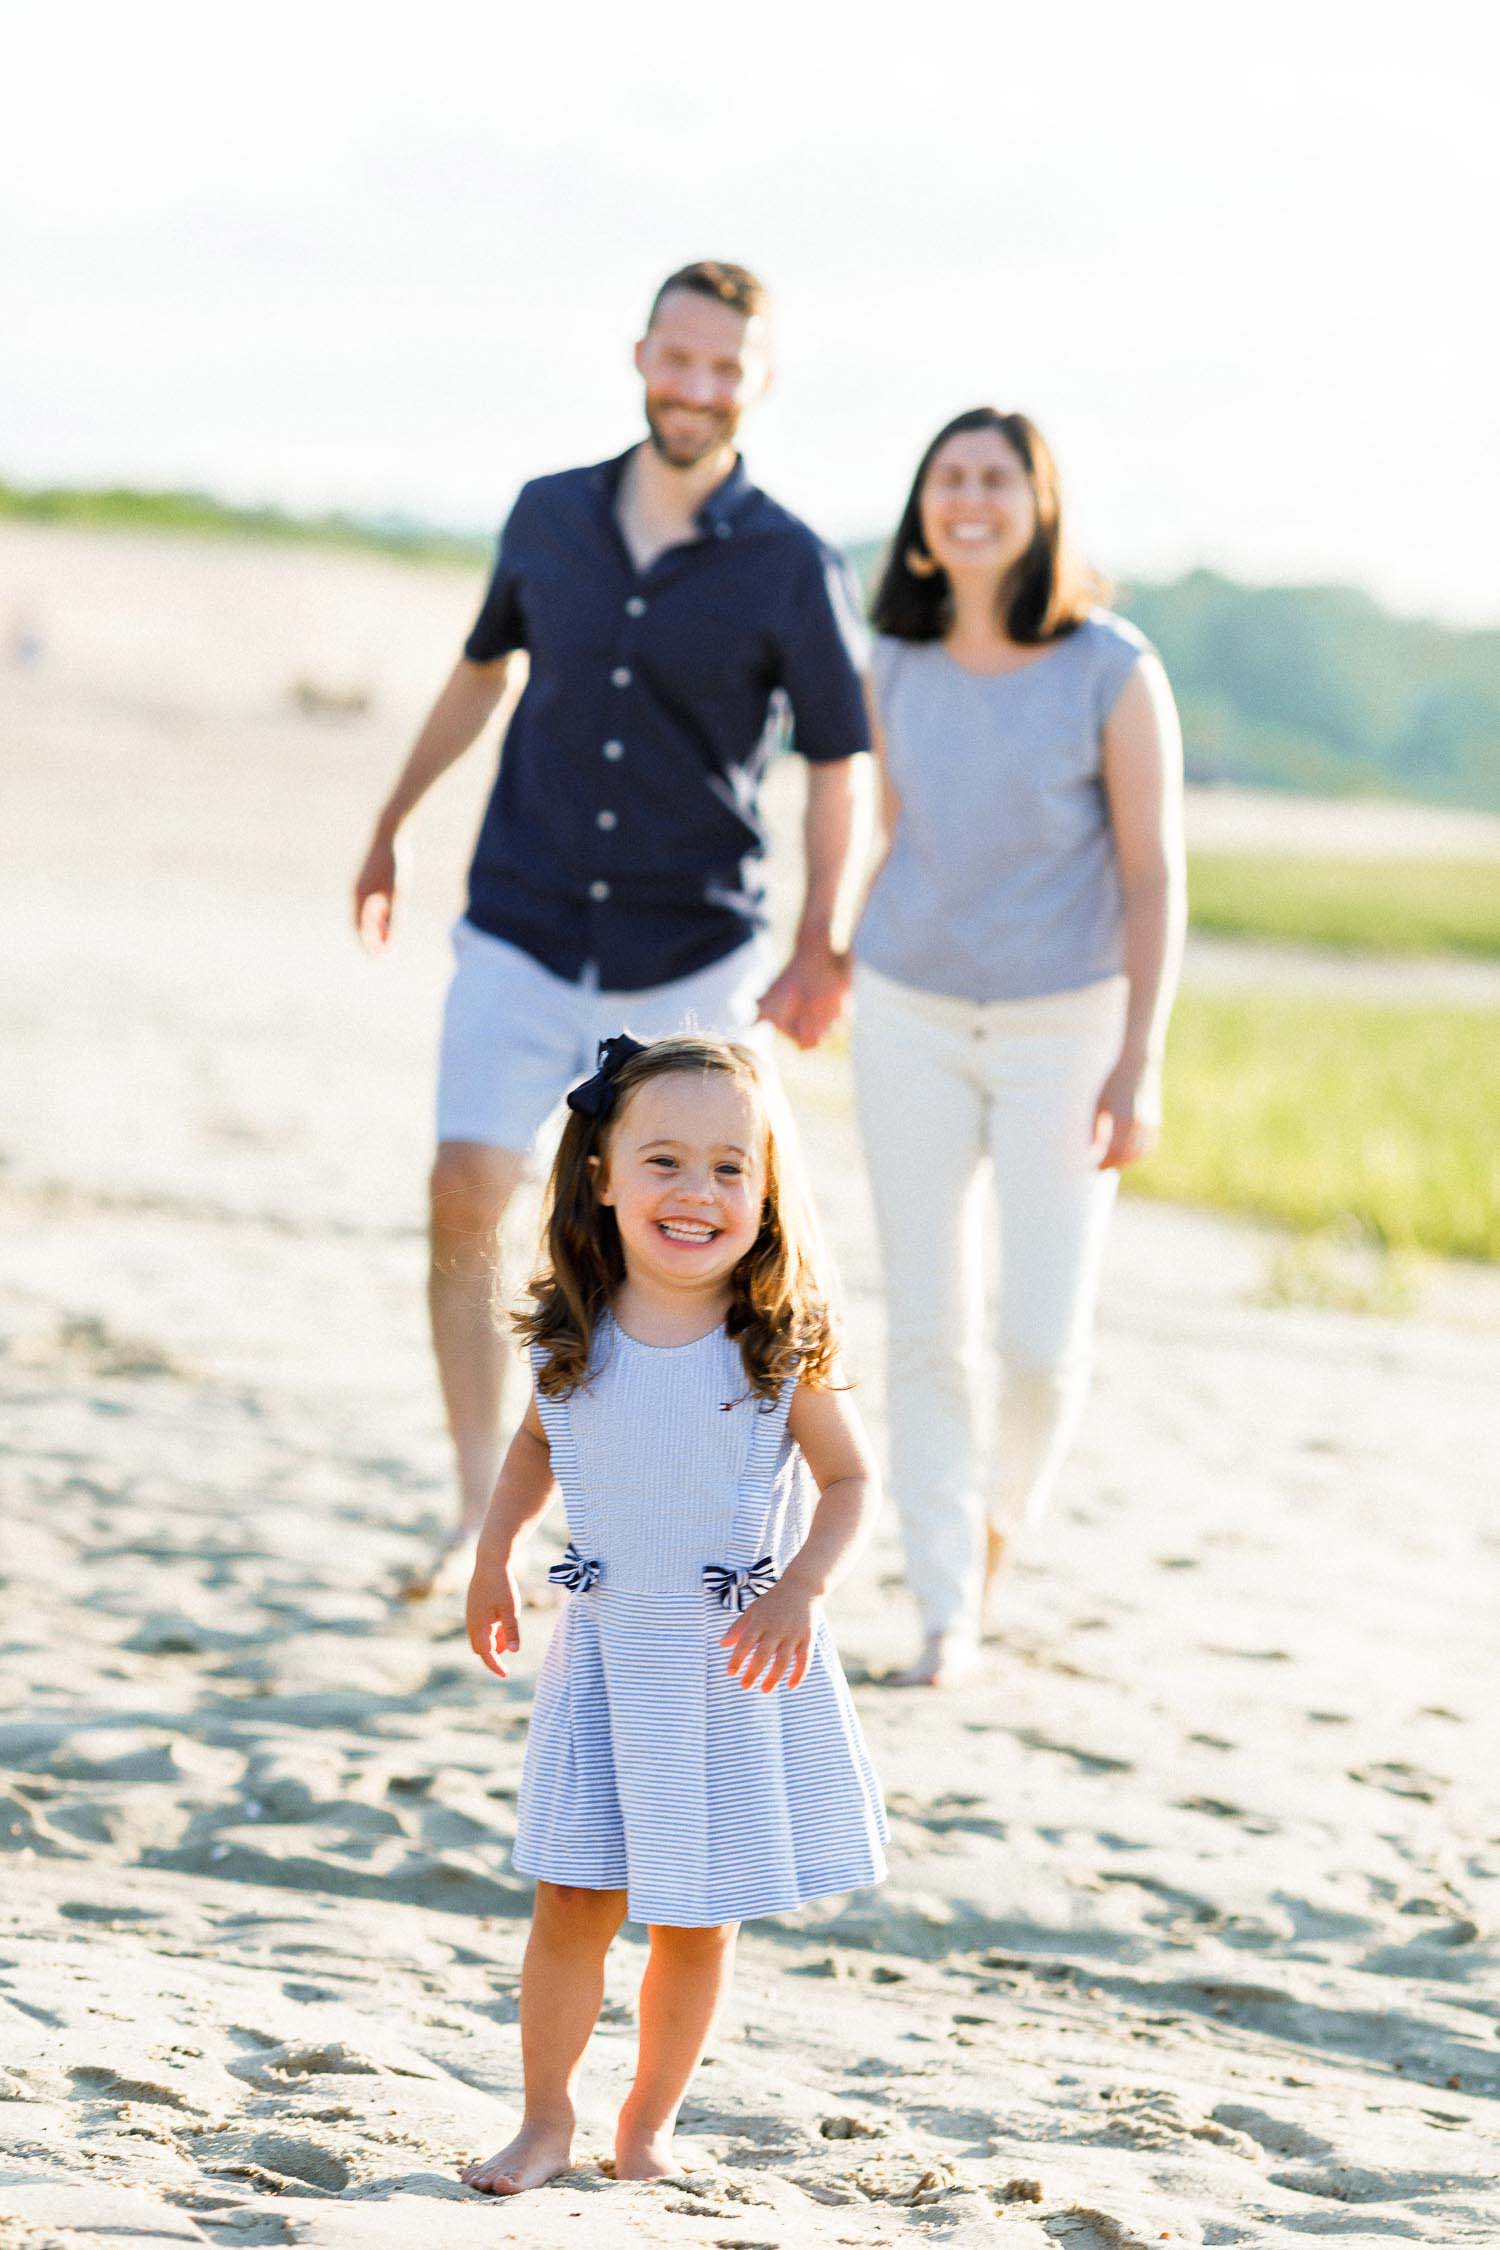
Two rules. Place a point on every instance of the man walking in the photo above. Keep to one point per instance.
(660, 600)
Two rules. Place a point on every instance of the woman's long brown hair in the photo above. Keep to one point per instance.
(1049, 593)
(779, 1313)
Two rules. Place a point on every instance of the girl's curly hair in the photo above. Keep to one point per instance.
(779, 1312)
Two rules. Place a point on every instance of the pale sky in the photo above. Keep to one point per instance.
(1238, 264)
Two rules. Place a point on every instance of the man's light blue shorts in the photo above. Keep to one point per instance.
(515, 1037)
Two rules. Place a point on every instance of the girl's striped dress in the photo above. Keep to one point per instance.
(649, 1769)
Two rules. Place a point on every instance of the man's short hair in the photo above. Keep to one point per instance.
(735, 286)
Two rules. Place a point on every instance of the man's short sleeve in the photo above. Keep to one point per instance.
(825, 649)
(500, 627)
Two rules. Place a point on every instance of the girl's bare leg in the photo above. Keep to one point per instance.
(686, 1982)
(562, 1987)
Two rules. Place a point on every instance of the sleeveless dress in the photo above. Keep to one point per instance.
(649, 1769)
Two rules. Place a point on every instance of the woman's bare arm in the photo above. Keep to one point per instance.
(1142, 763)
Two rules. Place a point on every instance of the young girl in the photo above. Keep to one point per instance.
(694, 1755)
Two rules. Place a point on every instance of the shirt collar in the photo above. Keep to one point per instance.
(719, 510)
(715, 519)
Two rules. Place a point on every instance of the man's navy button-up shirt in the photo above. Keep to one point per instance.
(624, 827)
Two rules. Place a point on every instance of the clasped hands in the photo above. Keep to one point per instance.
(808, 997)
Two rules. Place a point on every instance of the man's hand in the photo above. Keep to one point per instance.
(375, 891)
(807, 999)
(492, 1614)
(469, 696)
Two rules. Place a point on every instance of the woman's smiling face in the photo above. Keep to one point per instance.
(685, 1175)
(977, 508)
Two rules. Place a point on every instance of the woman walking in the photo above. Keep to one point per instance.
(1015, 966)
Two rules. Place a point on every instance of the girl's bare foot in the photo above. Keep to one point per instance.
(946, 1659)
(542, 2149)
(640, 2155)
(995, 1555)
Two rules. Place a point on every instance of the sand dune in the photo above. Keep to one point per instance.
(1190, 1928)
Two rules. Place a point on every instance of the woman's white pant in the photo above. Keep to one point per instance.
(950, 1094)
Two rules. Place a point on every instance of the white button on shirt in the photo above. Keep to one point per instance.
(599, 891)
(606, 820)
(621, 675)
(635, 607)
(614, 751)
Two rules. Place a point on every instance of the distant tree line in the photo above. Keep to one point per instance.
(1319, 689)
(1311, 688)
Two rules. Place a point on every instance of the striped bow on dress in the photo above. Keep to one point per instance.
(737, 1589)
(580, 1572)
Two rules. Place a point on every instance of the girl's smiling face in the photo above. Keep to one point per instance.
(685, 1175)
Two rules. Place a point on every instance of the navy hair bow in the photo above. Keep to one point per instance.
(596, 1096)
(577, 1571)
(737, 1589)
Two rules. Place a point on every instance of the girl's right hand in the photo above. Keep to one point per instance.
(492, 1614)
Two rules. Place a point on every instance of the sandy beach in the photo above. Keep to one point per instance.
(1189, 1935)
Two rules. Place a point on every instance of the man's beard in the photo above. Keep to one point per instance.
(716, 435)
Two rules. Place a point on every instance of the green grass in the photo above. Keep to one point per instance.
(1331, 1114)
(121, 509)
(1369, 905)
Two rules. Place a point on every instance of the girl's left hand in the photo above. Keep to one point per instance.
(772, 1641)
(1127, 1116)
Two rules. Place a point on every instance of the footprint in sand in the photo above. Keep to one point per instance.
(90, 1345)
(1399, 1780)
(1276, 2136)
(1087, 1761)
(1149, 2117)
(25, 2008)
(1218, 1808)
(94, 2082)
(1247, 1655)
(1356, 2183)
(111, 1917)
(294, 2159)
(1082, 2227)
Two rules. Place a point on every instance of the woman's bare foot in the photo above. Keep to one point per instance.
(996, 1554)
(946, 1659)
(542, 2149)
(448, 1569)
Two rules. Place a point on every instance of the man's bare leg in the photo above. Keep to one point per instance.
(470, 1188)
(686, 1982)
(562, 1989)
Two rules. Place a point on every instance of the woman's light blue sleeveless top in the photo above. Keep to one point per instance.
(1002, 881)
